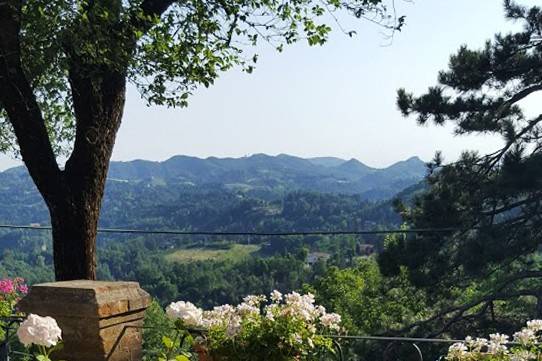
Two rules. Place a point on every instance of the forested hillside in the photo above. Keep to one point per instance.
(253, 194)
(250, 193)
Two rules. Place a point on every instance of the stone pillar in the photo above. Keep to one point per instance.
(97, 318)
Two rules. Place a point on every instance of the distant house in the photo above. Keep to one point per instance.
(314, 257)
(364, 249)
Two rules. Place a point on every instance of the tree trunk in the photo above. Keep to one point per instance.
(75, 211)
(73, 194)
(74, 241)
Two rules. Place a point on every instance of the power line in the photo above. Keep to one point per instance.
(255, 234)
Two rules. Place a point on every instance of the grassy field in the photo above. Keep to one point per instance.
(234, 253)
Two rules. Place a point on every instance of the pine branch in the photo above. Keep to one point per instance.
(497, 294)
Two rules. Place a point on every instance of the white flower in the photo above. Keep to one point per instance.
(523, 356)
(234, 326)
(524, 337)
(219, 315)
(498, 338)
(255, 301)
(185, 311)
(270, 316)
(270, 311)
(331, 321)
(497, 343)
(456, 351)
(475, 344)
(276, 296)
(247, 309)
(296, 339)
(321, 310)
(300, 306)
(535, 325)
(41, 331)
(293, 298)
(496, 348)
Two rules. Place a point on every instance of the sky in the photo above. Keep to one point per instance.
(336, 100)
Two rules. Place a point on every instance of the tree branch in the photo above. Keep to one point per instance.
(517, 97)
(496, 211)
(155, 7)
(499, 154)
(150, 9)
(497, 294)
(486, 301)
(20, 104)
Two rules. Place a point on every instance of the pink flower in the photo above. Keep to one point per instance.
(23, 288)
(6, 286)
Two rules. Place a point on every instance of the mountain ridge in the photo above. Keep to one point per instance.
(267, 176)
(140, 193)
(326, 161)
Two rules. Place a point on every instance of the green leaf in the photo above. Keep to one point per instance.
(168, 342)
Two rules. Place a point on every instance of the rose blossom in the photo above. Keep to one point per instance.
(6, 286)
(37, 330)
(186, 312)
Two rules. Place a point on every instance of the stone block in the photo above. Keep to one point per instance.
(100, 321)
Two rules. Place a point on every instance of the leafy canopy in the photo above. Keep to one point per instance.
(165, 48)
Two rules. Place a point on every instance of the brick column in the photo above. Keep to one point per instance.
(96, 317)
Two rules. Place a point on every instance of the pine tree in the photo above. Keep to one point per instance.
(493, 200)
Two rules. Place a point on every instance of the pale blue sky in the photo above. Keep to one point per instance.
(335, 100)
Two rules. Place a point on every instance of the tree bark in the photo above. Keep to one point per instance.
(74, 238)
(74, 194)
(98, 106)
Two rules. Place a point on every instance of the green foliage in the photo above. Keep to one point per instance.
(156, 323)
(42, 353)
(368, 302)
(485, 274)
(165, 48)
(498, 194)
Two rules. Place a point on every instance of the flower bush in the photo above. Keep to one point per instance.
(42, 333)
(278, 328)
(525, 345)
(11, 291)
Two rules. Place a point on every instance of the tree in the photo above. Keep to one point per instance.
(369, 304)
(495, 200)
(64, 70)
